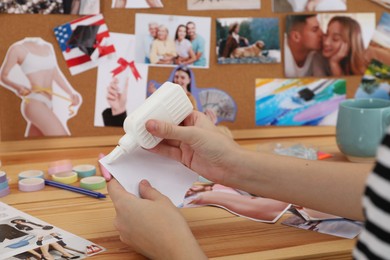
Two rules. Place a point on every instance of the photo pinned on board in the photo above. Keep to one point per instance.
(248, 40)
(171, 40)
(223, 5)
(30, 70)
(298, 102)
(137, 4)
(327, 44)
(84, 42)
(384, 3)
(218, 105)
(376, 80)
(121, 83)
(317, 53)
(296, 6)
(81, 7)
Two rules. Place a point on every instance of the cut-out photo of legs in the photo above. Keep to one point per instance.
(215, 103)
(236, 202)
(30, 70)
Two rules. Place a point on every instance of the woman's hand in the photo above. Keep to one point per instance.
(75, 99)
(152, 225)
(151, 87)
(334, 61)
(23, 91)
(211, 115)
(115, 99)
(200, 146)
(340, 54)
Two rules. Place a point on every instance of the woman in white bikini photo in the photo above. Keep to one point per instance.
(30, 70)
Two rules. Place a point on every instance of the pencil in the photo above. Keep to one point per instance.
(91, 193)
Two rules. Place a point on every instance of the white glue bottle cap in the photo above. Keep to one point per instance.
(168, 103)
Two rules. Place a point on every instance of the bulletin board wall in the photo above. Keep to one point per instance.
(238, 80)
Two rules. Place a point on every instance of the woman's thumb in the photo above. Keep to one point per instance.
(146, 191)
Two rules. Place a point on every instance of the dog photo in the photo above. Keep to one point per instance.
(223, 4)
(248, 40)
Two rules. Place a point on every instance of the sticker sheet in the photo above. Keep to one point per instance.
(23, 236)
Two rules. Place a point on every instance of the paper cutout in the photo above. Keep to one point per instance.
(83, 46)
(340, 227)
(281, 102)
(43, 94)
(258, 40)
(137, 4)
(239, 203)
(123, 68)
(161, 49)
(223, 5)
(39, 233)
(169, 177)
(218, 105)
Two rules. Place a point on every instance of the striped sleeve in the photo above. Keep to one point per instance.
(374, 241)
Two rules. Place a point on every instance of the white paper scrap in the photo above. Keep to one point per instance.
(169, 177)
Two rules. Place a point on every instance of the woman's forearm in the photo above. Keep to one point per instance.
(5, 79)
(330, 187)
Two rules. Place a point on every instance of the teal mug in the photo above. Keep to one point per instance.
(361, 125)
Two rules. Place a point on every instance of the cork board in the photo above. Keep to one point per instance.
(238, 80)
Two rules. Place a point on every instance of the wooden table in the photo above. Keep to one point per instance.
(220, 234)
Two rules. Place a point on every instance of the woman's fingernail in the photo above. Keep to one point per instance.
(145, 183)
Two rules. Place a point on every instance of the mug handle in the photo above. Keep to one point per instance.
(386, 116)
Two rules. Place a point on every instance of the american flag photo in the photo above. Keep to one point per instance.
(83, 42)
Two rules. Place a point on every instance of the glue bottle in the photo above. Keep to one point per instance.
(168, 103)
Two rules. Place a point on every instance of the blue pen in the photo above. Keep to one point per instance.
(91, 193)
